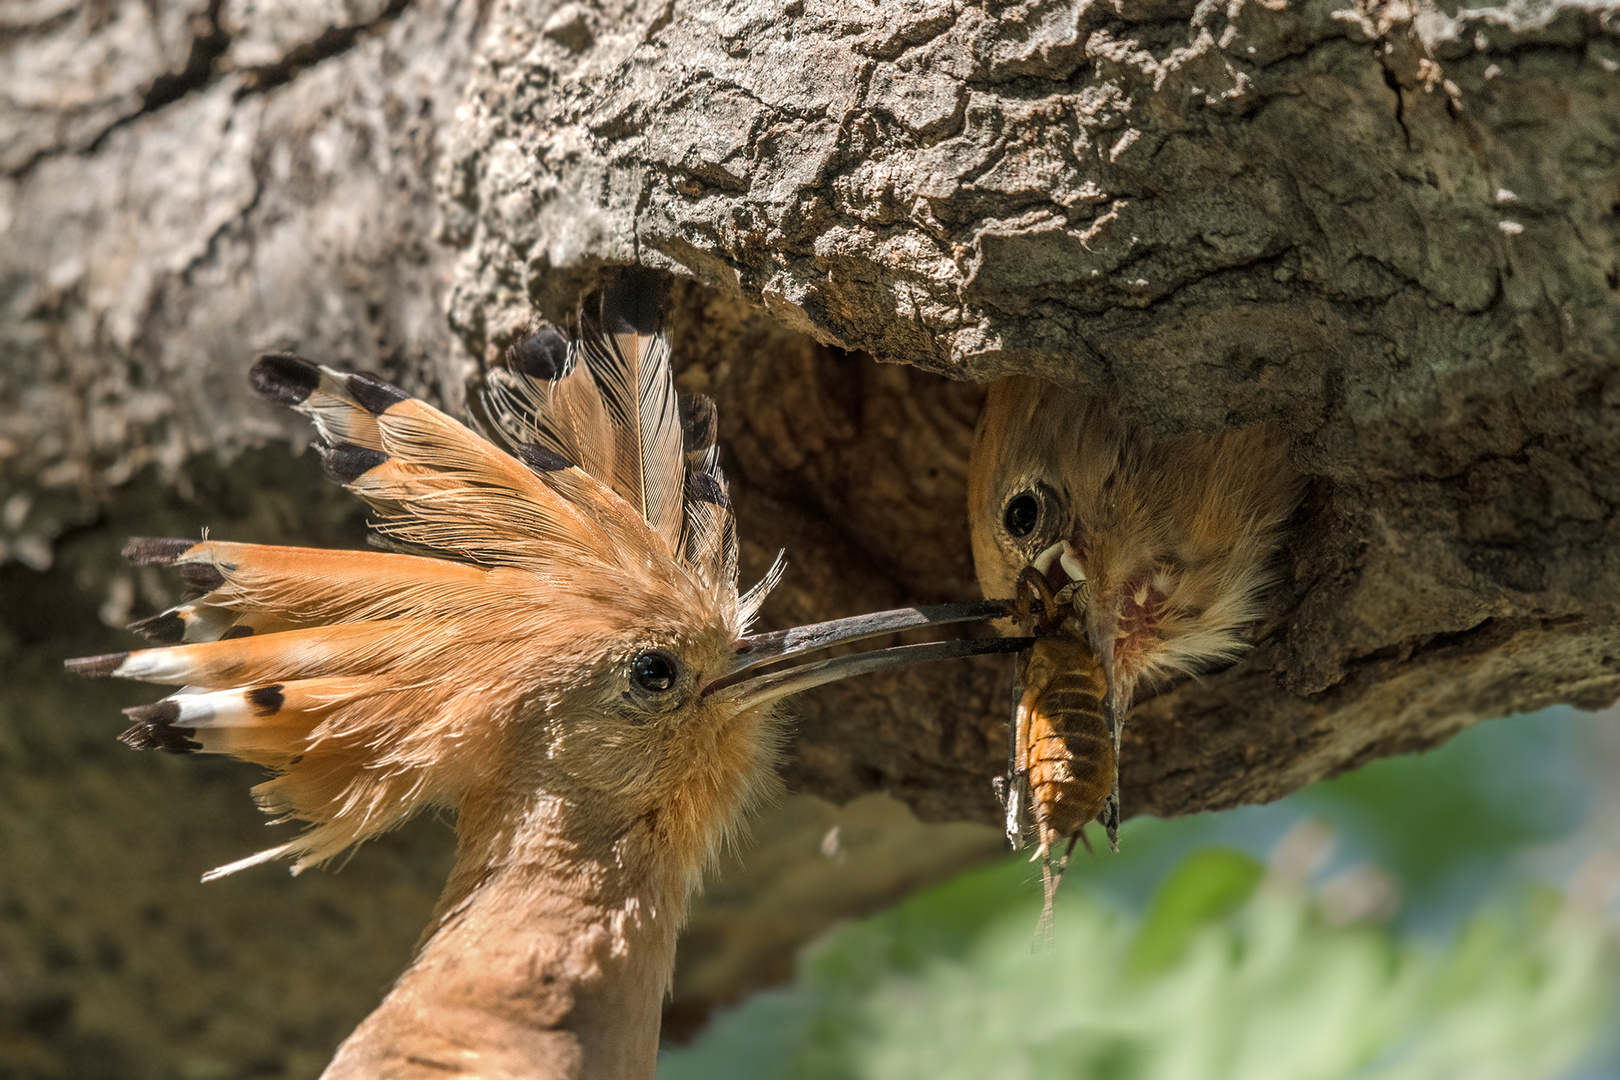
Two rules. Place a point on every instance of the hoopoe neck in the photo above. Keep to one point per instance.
(549, 956)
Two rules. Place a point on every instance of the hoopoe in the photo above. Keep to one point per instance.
(554, 644)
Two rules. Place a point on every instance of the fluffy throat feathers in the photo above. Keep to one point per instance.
(708, 777)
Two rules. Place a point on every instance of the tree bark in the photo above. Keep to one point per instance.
(1393, 229)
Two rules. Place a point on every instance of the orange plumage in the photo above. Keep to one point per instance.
(377, 683)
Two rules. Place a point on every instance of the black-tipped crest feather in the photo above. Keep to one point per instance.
(156, 551)
(629, 361)
(153, 729)
(165, 629)
(373, 394)
(283, 378)
(346, 462)
(606, 404)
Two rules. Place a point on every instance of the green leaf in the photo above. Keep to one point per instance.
(1207, 887)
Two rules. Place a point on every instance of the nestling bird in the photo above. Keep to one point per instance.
(555, 647)
(1148, 557)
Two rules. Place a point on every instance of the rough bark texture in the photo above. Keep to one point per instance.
(1394, 230)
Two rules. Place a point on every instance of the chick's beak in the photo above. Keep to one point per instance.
(1063, 555)
(749, 687)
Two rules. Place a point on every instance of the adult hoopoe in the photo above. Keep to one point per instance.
(1149, 558)
(555, 647)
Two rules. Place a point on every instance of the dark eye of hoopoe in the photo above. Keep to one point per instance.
(1021, 514)
(654, 671)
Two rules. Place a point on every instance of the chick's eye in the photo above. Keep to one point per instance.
(653, 671)
(1022, 512)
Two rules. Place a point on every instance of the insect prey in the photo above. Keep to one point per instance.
(1062, 754)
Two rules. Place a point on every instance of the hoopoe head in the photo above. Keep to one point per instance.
(1164, 547)
(556, 620)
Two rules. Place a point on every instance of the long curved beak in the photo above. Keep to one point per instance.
(752, 688)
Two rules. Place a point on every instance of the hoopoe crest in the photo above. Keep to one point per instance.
(592, 555)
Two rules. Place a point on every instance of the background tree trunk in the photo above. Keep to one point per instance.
(1393, 229)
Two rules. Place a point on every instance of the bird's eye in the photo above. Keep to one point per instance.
(654, 671)
(1021, 514)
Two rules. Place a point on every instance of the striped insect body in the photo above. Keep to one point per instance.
(1064, 745)
(1063, 748)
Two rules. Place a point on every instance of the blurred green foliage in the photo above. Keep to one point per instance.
(1189, 958)
(1211, 884)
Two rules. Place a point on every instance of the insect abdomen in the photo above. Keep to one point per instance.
(1070, 750)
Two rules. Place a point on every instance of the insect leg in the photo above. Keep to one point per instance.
(1110, 816)
(1110, 813)
(1043, 925)
(1031, 585)
(1017, 785)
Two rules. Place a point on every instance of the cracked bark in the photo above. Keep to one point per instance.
(1393, 229)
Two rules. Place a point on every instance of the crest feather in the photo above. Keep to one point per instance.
(605, 400)
(378, 683)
